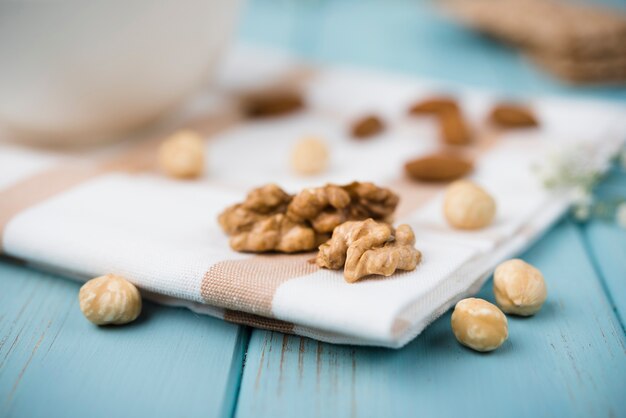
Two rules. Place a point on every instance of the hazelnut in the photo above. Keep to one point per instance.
(182, 155)
(310, 156)
(519, 288)
(468, 206)
(109, 299)
(479, 325)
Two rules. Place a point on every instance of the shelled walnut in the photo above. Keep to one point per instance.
(272, 220)
(368, 247)
(260, 203)
(329, 206)
(275, 233)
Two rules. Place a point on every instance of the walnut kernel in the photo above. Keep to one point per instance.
(272, 220)
(368, 247)
(331, 205)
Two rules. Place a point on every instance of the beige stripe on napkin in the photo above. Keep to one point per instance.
(249, 285)
(51, 182)
(36, 189)
(257, 321)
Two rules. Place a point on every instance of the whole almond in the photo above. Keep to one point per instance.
(271, 103)
(507, 115)
(438, 168)
(368, 126)
(453, 128)
(433, 105)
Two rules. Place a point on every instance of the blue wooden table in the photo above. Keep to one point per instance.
(569, 360)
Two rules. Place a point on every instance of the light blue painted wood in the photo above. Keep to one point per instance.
(407, 36)
(54, 363)
(606, 243)
(568, 361)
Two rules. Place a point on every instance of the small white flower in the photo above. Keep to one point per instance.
(581, 212)
(581, 196)
(620, 215)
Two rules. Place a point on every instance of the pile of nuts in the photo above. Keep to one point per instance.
(272, 220)
(356, 214)
(454, 130)
(519, 289)
(349, 224)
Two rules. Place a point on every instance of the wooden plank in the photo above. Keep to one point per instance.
(606, 242)
(53, 362)
(569, 360)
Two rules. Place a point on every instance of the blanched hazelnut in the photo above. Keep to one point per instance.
(310, 156)
(182, 155)
(109, 299)
(519, 288)
(468, 206)
(479, 324)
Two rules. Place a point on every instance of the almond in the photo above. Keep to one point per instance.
(433, 106)
(508, 115)
(453, 128)
(270, 103)
(367, 126)
(438, 167)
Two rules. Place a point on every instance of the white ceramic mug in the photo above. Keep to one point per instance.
(82, 70)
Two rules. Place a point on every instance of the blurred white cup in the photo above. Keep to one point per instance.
(77, 71)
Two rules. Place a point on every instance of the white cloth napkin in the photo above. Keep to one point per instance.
(71, 213)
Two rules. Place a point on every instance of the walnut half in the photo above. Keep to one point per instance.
(331, 205)
(368, 247)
